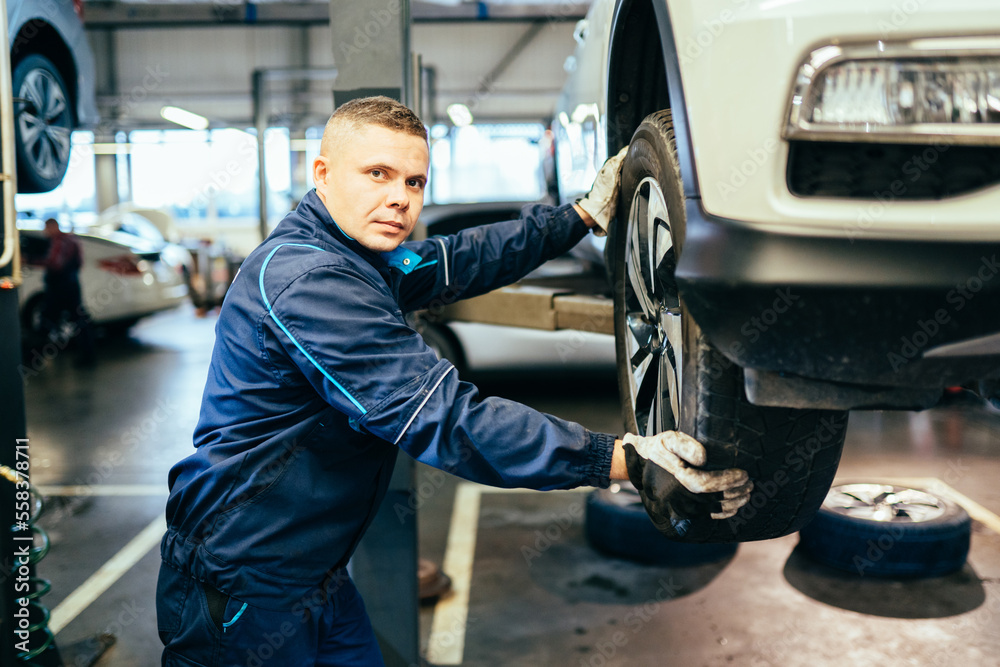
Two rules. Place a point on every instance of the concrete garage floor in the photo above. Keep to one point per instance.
(117, 428)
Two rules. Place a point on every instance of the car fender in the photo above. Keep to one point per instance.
(619, 130)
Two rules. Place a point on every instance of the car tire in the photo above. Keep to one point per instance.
(43, 121)
(117, 329)
(888, 531)
(615, 523)
(444, 343)
(671, 378)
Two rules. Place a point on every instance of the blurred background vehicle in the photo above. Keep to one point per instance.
(53, 80)
(487, 347)
(124, 277)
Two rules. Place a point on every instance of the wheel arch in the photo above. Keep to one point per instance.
(644, 77)
(38, 37)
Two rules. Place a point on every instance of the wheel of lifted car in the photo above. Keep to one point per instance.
(43, 121)
(889, 531)
(617, 524)
(671, 378)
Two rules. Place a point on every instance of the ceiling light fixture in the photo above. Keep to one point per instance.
(184, 117)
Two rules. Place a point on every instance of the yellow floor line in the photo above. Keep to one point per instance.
(447, 641)
(107, 574)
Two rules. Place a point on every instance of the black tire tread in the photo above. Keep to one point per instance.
(715, 410)
(625, 531)
(933, 548)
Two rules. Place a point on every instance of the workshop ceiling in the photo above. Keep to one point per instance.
(502, 59)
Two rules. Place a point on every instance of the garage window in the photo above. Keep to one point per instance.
(210, 174)
(501, 162)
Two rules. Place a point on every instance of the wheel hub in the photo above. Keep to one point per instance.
(653, 315)
(41, 123)
(884, 503)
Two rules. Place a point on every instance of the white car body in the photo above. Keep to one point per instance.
(898, 266)
(121, 280)
(744, 55)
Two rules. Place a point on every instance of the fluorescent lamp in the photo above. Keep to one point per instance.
(459, 114)
(184, 117)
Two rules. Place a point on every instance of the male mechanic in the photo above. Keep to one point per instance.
(316, 382)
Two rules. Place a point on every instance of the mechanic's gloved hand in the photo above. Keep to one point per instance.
(664, 469)
(600, 203)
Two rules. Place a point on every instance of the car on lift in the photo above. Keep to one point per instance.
(124, 277)
(52, 69)
(807, 221)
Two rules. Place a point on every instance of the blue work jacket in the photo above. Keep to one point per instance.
(316, 382)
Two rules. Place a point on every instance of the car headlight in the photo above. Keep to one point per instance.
(918, 91)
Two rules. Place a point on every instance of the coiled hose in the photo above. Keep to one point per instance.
(33, 630)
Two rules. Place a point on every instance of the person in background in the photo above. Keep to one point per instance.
(62, 291)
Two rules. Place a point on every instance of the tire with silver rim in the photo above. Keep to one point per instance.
(616, 524)
(887, 530)
(671, 378)
(43, 121)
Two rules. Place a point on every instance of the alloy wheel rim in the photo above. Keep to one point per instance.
(883, 503)
(652, 312)
(46, 141)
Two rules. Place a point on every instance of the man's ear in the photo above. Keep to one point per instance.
(321, 171)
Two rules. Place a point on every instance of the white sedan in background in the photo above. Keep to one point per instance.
(124, 278)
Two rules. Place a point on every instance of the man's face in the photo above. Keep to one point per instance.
(373, 185)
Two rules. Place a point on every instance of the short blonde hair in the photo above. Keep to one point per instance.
(381, 111)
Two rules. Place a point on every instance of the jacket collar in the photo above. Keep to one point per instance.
(312, 208)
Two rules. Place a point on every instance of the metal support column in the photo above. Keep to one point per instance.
(260, 122)
(260, 81)
(371, 48)
(13, 430)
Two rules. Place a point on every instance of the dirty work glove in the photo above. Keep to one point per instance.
(603, 197)
(664, 469)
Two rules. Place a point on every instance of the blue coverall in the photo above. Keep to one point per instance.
(316, 381)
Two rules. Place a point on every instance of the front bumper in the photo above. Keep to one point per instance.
(843, 308)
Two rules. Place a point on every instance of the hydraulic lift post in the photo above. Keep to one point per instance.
(371, 51)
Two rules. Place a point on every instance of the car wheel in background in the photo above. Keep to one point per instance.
(671, 378)
(889, 531)
(43, 120)
(444, 343)
(616, 523)
(119, 328)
